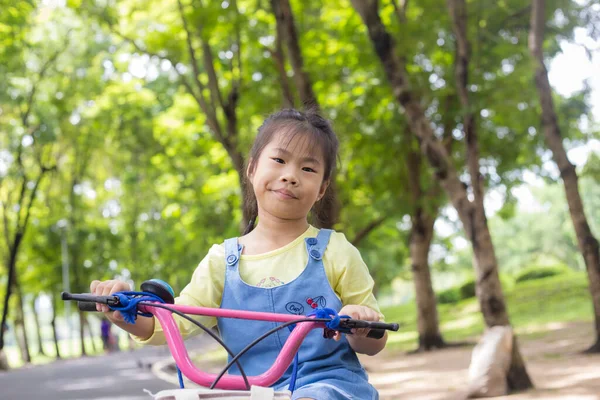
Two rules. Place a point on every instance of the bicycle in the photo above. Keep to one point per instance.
(157, 299)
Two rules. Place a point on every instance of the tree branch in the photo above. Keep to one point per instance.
(208, 109)
(458, 14)
(285, 18)
(400, 10)
(363, 233)
(279, 57)
(41, 74)
(213, 83)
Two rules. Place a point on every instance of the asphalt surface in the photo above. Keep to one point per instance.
(116, 376)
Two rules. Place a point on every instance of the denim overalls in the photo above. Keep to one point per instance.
(327, 369)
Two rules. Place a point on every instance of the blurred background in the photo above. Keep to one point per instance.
(124, 126)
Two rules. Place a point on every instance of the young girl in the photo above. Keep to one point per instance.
(283, 265)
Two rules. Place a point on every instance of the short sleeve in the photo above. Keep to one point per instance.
(349, 275)
(205, 289)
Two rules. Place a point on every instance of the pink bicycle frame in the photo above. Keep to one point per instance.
(231, 382)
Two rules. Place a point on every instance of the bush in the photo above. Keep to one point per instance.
(532, 273)
(457, 293)
(449, 296)
(467, 290)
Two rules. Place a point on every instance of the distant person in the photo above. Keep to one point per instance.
(106, 334)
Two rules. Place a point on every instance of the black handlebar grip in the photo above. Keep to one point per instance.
(376, 333)
(382, 325)
(86, 306)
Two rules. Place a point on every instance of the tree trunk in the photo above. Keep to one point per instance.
(279, 57)
(12, 273)
(91, 333)
(285, 24)
(328, 208)
(489, 292)
(54, 333)
(588, 244)
(421, 234)
(38, 329)
(20, 321)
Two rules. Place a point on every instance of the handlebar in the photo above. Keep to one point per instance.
(163, 313)
(87, 302)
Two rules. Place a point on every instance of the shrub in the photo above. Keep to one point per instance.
(532, 273)
(467, 289)
(449, 296)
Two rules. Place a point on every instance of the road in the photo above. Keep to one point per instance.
(116, 376)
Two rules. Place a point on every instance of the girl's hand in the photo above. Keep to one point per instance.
(106, 288)
(358, 312)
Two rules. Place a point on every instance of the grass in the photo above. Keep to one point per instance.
(562, 298)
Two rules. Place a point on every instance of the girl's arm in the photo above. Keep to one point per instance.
(359, 341)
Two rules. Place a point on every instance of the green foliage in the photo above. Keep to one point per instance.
(466, 290)
(449, 296)
(536, 272)
(455, 294)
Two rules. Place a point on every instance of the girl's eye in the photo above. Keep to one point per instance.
(308, 169)
(278, 160)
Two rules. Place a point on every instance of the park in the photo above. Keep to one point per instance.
(458, 167)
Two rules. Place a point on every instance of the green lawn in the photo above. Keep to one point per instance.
(561, 298)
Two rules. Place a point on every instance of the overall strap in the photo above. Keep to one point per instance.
(316, 246)
(232, 252)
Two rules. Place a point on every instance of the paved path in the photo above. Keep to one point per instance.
(116, 376)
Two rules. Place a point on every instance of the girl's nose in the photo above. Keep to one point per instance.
(289, 178)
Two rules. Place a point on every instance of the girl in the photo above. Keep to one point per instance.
(283, 265)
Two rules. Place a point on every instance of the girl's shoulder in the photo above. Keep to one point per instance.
(340, 247)
(215, 258)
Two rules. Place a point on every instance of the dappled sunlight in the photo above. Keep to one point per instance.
(559, 372)
(461, 323)
(537, 328)
(397, 337)
(576, 376)
(406, 362)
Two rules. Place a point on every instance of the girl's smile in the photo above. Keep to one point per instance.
(284, 194)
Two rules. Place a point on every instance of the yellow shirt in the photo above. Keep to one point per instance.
(346, 272)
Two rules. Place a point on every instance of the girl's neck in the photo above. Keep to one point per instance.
(279, 231)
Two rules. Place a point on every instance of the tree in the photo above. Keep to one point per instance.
(588, 244)
(33, 160)
(217, 96)
(471, 213)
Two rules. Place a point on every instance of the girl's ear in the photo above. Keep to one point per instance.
(323, 189)
(250, 169)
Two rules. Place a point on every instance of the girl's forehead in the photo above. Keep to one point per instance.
(301, 145)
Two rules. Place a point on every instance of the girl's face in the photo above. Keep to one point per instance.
(287, 178)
